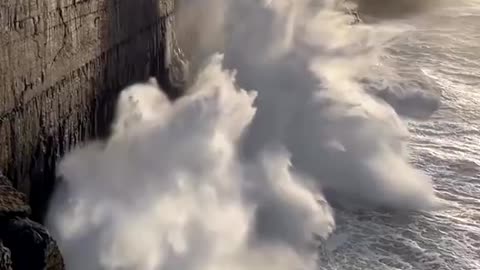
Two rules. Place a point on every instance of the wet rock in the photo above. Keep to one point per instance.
(31, 245)
(12, 202)
(24, 244)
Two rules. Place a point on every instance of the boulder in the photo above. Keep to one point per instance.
(24, 244)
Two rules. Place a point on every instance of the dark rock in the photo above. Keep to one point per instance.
(30, 244)
(24, 244)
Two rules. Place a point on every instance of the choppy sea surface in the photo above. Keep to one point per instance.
(443, 47)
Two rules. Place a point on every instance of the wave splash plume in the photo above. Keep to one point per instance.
(232, 178)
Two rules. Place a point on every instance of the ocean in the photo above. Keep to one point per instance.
(442, 45)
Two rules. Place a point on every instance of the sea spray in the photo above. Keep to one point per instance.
(227, 178)
(168, 190)
(309, 65)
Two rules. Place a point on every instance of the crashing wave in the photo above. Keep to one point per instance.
(225, 178)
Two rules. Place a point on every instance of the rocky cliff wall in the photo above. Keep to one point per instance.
(62, 63)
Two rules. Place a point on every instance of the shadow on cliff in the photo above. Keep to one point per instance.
(142, 34)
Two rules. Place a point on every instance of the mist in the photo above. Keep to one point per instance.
(307, 63)
(277, 120)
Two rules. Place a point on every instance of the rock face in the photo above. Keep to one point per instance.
(24, 244)
(62, 63)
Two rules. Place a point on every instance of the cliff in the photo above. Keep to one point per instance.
(62, 63)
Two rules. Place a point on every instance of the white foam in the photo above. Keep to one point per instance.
(168, 191)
